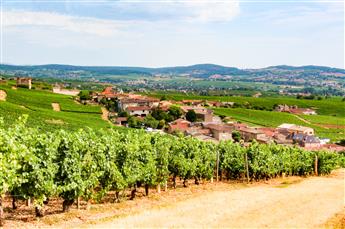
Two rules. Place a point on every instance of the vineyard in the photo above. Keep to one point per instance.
(274, 119)
(89, 164)
(38, 105)
(332, 106)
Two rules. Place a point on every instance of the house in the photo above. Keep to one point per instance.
(125, 102)
(306, 141)
(227, 104)
(214, 103)
(142, 111)
(220, 131)
(178, 125)
(24, 81)
(165, 105)
(202, 113)
(294, 109)
(197, 130)
(284, 108)
(249, 134)
(268, 131)
(192, 102)
(295, 129)
(121, 121)
(239, 126)
(206, 138)
(333, 147)
(280, 138)
(204, 116)
(305, 111)
(72, 92)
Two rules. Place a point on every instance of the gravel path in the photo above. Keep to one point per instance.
(306, 204)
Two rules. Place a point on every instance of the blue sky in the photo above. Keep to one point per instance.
(154, 33)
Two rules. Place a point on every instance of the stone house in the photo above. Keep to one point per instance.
(141, 111)
(295, 129)
(24, 81)
(220, 131)
(249, 134)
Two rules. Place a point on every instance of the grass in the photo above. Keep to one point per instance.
(37, 104)
(274, 119)
(323, 119)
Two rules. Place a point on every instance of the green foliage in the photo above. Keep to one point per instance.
(236, 136)
(89, 164)
(175, 112)
(84, 95)
(37, 104)
(150, 121)
(123, 114)
(159, 114)
(134, 122)
(191, 116)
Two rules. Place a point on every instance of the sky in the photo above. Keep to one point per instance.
(158, 33)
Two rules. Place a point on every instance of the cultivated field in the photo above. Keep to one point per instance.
(38, 105)
(332, 106)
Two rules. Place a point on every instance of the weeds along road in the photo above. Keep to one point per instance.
(309, 203)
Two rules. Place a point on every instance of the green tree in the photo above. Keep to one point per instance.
(175, 112)
(84, 95)
(150, 121)
(159, 114)
(134, 122)
(236, 136)
(123, 114)
(191, 116)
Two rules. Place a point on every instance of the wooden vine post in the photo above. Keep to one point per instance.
(28, 202)
(166, 186)
(246, 166)
(316, 165)
(159, 188)
(217, 167)
(78, 203)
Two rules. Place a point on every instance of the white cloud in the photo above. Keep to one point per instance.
(191, 10)
(100, 27)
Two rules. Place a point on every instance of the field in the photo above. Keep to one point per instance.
(331, 106)
(37, 104)
(274, 119)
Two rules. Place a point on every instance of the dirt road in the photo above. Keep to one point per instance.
(306, 204)
(105, 114)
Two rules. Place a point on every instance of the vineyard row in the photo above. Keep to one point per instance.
(88, 164)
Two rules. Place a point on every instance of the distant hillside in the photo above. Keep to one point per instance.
(199, 71)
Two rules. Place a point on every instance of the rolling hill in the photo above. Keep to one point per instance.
(199, 70)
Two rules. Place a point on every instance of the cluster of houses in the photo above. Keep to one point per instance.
(294, 109)
(210, 127)
(134, 104)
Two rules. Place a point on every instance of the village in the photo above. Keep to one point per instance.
(193, 118)
(196, 118)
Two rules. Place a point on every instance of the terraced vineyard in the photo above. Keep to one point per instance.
(38, 105)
